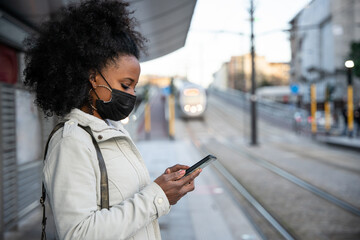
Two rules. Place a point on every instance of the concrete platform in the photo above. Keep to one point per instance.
(341, 141)
(207, 213)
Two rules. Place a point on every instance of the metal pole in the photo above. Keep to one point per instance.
(327, 117)
(327, 110)
(253, 98)
(171, 116)
(313, 105)
(147, 120)
(350, 108)
(171, 103)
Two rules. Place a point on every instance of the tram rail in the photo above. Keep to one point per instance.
(224, 138)
(300, 182)
(246, 194)
(252, 200)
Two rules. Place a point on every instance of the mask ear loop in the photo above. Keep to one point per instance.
(105, 80)
(107, 87)
(93, 89)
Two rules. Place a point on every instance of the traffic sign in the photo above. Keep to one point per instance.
(294, 88)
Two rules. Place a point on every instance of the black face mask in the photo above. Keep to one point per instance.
(118, 107)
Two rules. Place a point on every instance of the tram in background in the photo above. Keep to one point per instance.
(191, 99)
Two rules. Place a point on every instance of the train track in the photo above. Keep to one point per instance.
(275, 220)
(298, 181)
(245, 193)
(256, 204)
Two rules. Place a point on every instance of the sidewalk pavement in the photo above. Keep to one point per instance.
(341, 141)
(210, 211)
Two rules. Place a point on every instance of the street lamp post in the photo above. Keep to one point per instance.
(349, 64)
(253, 98)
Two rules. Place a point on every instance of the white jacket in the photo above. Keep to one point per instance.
(72, 181)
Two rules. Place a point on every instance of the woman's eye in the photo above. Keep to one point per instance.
(124, 86)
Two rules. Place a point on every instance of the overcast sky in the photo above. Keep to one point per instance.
(212, 38)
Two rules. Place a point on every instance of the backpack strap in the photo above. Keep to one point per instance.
(104, 186)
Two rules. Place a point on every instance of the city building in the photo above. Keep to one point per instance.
(160, 81)
(236, 73)
(321, 35)
(221, 77)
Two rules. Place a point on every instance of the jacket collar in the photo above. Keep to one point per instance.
(98, 126)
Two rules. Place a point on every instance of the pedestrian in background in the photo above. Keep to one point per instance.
(357, 120)
(83, 66)
(345, 115)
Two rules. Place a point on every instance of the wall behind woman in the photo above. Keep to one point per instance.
(23, 130)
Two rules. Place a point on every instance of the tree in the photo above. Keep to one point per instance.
(355, 56)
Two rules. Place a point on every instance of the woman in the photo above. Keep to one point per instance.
(83, 66)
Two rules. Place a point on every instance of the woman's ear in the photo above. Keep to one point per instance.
(92, 78)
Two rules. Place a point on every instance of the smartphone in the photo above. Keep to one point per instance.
(201, 164)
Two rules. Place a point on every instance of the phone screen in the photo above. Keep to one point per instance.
(201, 164)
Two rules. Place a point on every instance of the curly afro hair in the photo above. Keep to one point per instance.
(73, 42)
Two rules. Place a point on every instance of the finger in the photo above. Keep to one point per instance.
(190, 177)
(189, 187)
(177, 167)
(176, 175)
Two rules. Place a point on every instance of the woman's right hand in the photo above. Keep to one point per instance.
(174, 186)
